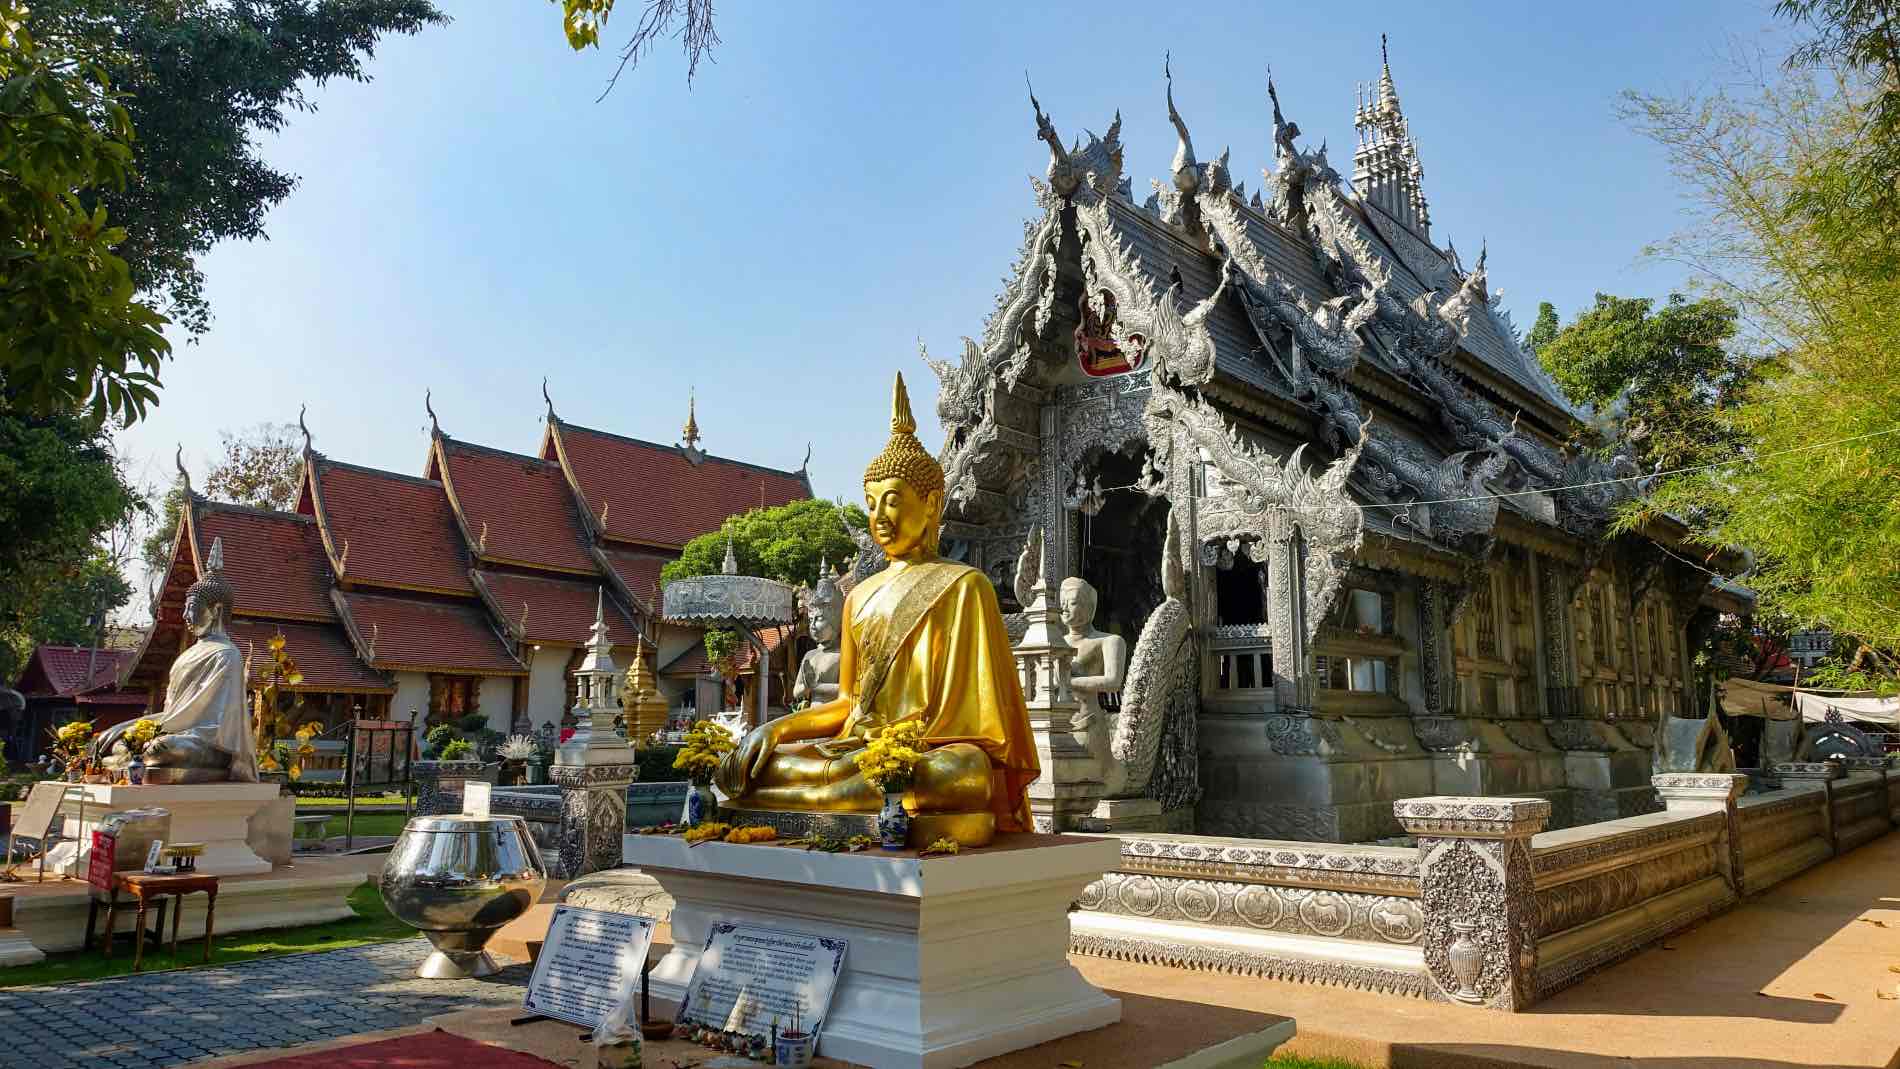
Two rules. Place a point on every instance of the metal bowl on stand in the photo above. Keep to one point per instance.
(458, 879)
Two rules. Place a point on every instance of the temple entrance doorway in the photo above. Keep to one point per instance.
(1121, 548)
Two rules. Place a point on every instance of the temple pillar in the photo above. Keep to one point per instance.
(1478, 895)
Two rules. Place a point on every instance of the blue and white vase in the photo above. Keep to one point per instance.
(694, 811)
(135, 772)
(893, 823)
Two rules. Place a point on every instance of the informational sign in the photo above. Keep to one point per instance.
(750, 978)
(153, 855)
(42, 805)
(586, 954)
(475, 796)
(103, 863)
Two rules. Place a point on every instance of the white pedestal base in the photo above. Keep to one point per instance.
(952, 960)
(215, 814)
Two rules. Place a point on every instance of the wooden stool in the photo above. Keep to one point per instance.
(143, 887)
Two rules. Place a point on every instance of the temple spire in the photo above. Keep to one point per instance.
(1386, 168)
(689, 434)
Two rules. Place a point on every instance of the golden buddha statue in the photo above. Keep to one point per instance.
(923, 640)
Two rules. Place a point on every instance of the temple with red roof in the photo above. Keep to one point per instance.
(470, 588)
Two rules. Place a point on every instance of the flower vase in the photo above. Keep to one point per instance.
(135, 772)
(694, 811)
(75, 775)
(893, 823)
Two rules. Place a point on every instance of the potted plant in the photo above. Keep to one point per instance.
(887, 762)
(69, 745)
(137, 738)
(517, 753)
(706, 745)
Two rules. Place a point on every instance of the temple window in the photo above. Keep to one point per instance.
(1485, 617)
(453, 697)
(1358, 652)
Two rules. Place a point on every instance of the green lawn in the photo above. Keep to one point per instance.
(372, 924)
(1292, 1061)
(370, 823)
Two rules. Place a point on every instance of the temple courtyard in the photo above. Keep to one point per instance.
(1803, 975)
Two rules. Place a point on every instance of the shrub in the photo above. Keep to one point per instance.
(457, 750)
(439, 737)
(656, 764)
(473, 723)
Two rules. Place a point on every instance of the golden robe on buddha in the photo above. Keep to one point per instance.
(923, 639)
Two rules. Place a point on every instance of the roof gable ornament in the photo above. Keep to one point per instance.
(178, 458)
(689, 434)
(435, 429)
(552, 418)
(304, 428)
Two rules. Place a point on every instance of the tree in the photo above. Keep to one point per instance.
(73, 610)
(1668, 371)
(71, 332)
(262, 466)
(203, 78)
(784, 542)
(1544, 329)
(689, 20)
(1815, 493)
(61, 493)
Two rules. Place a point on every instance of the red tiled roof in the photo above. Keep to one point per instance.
(111, 697)
(60, 671)
(399, 530)
(516, 508)
(559, 610)
(640, 571)
(692, 661)
(655, 495)
(274, 561)
(322, 651)
(404, 632)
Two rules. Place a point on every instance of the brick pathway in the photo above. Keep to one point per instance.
(168, 1018)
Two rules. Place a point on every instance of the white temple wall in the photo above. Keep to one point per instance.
(498, 702)
(412, 696)
(547, 685)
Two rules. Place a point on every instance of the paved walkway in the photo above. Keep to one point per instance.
(168, 1018)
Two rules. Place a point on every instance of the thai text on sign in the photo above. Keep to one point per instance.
(583, 960)
(750, 978)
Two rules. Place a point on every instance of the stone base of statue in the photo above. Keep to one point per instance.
(952, 959)
(215, 814)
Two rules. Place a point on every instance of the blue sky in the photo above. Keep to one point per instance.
(845, 180)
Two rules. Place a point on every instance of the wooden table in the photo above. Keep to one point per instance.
(144, 887)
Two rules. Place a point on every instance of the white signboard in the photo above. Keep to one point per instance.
(475, 795)
(582, 961)
(36, 816)
(749, 977)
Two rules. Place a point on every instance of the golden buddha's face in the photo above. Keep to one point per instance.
(903, 522)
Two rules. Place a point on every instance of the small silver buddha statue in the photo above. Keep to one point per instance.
(1101, 659)
(204, 735)
(817, 680)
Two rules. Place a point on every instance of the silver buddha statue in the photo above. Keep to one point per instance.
(1101, 659)
(817, 680)
(204, 735)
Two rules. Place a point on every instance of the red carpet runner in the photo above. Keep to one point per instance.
(430, 1050)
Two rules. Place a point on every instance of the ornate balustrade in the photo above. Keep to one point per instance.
(1488, 909)
(1343, 915)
